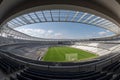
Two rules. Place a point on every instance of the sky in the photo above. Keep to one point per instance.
(64, 30)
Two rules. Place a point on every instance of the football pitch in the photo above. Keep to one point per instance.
(67, 54)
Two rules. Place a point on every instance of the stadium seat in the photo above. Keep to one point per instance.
(8, 66)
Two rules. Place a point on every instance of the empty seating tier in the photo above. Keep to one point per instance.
(8, 66)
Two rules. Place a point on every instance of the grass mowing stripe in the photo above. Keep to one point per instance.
(58, 54)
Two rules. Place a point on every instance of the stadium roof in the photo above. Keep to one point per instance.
(62, 16)
(102, 13)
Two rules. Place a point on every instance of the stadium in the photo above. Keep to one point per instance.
(53, 56)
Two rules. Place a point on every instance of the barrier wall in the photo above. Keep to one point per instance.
(61, 66)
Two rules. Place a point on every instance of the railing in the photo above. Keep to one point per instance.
(96, 64)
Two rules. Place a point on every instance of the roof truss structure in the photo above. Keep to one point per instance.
(63, 16)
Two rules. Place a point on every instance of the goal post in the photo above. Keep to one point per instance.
(71, 57)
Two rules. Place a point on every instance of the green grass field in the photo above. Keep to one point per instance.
(66, 54)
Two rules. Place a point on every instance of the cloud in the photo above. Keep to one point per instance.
(32, 31)
(104, 33)
(58, 34)
(41, 33)
(50, 31)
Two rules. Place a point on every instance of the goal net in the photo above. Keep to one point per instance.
(71, 57)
